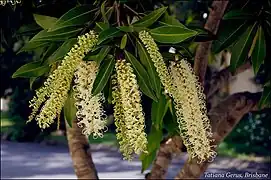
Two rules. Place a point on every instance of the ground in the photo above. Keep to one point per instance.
(32, 160)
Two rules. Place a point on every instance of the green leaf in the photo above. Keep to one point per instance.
(50, 50)
(103, 75)
(241, 48)
(45, 22)
(147, 62)
(154, 139)
(150, 18)
(75, 17)
(126, 28)
(101, 26)
(266, 97)
(259, 51)
(32, 45)
(158, 111)
(227, 37)
(170, 120)
(70, 109)
(123, 41)
(103, 13)
(102, 54)
(171, 20)
(33, 69)
(237, 14)
(142, 76)
(62, 50)
(108, 33)
(172, 34)
(31, 82)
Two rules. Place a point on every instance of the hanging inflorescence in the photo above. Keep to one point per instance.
(128, 112)
(181, 83)
(90, 113)
(55, 90)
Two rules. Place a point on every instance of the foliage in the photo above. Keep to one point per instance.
(118, 24)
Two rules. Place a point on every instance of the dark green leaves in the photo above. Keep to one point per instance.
(150, 18)
(123, 41)
(45, 22)
(147, 62)
(228, 35)
(62, 50)
(108, 33)
(158, 111)
(103, 75)
(241, 48)
(33, 69)
(171, 20)
(172, 34)
(142, 76)
(70, 109)
(259, 51)
(154, 139)
(74, 17)
(266, 97)
(237, 14)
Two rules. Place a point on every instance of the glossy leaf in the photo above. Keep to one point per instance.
(74, 17)
(45, 22)
(101, 26)
(70, 109)
(31, 82)
(241, 48)
(266, 97)
(147, 62)
(259, 51)
(103, 13)
(33, 69)
(50, 50)
(237, 14)
(172, 34)
(62, 50)
(142, 76)
(171, 20)
(170, 120)
(158, 111)
(103, 75)
(227, 37)
(32, 45)
(154, 139)
(108, 33)
(102, 54)
(123, 41)
(150, 18)
(126, 28)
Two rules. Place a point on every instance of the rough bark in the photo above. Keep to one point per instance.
(80, 153)
(212, 23)
(224, 118)
(168, 148)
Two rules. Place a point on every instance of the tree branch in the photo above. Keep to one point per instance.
(224, 117)
(80, 153)
(212, 23)
(169, 146)
(221, 78)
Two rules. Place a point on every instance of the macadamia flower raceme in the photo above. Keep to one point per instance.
(90, 112)
(191, 112)
(55, 90)
(129, 117)
(157, 59)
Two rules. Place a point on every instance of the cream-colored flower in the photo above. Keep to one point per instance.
(191, 112)
(128, 112)
(157, 59)
(55, 90)
(90, 112)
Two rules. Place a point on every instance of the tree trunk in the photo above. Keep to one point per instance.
(80, 153)
(224, 118)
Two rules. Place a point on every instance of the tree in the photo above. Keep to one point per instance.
(94, 65)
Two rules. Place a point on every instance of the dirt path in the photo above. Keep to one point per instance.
(29, 160)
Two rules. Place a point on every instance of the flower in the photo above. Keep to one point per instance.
(90, 112)
(55, 90)
(157, 59)
(128, 112)
(191, 112)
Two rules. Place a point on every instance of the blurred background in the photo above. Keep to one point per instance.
(248, 142)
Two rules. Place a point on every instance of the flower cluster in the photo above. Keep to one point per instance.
(189, 101)
(90, 112)
(53, 94)
(157, 59)
(128, 112)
